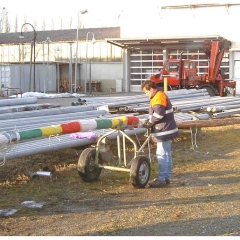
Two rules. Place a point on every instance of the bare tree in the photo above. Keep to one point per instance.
(43, 25)
(25, 29)
(16, 24)
(7, 24)
(52, 25)
(80, 24)
(70, 22)
(35, 24)
(3, 19)
(61, 24)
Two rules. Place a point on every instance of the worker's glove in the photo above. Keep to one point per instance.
(147, 124)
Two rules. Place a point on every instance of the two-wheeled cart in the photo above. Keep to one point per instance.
(91, 161)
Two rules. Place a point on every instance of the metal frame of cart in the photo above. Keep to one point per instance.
(90, 163)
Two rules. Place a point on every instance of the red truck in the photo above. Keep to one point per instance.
(182, 73)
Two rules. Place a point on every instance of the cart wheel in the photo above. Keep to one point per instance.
(140, 172)
(87, 169)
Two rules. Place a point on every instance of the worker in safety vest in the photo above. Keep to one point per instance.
(164, 129)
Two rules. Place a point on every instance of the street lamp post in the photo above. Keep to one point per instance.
(34, 43)
(86, 74)
(44, 74)
(48, 40)
(70, 70)
(58, 70)
(76, 61)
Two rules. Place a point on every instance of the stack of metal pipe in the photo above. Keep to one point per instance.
(184, 101)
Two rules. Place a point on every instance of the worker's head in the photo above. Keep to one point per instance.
(149, 88)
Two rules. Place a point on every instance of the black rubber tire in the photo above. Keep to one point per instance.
(87, 169)
(140, 172)
(161, 86)
(211, 91)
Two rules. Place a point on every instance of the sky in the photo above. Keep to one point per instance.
(101, 13)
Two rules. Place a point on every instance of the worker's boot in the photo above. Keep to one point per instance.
(157, 183)
(167, 181)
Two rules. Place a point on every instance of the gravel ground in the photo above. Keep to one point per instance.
(202, 200)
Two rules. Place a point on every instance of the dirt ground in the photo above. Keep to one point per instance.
(202, 200)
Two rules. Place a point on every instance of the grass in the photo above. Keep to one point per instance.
(15, 187)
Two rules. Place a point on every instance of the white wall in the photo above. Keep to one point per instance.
(102, 71)
(236, 70)
(106, 73)
(153, 21)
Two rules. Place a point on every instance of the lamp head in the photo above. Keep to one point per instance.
(93, 40)
(84, 11)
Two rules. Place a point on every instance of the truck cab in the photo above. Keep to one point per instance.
(177, 72)
(182, 73)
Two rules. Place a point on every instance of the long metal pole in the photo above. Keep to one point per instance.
(34, 44)
(70, 71)
(86, 63)
(76, 60)
(48, 52)
(86, 74)
(90, 78)
(44, 69)
(58, 73)
(34, 61)
(43, 146)
(30, 81)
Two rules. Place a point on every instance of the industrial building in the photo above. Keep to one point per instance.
(114, 58)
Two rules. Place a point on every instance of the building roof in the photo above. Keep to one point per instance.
(165, 42)
(111, 35)
(69, 35)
